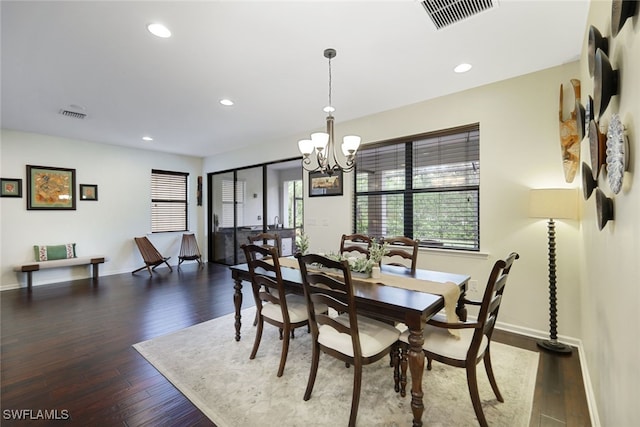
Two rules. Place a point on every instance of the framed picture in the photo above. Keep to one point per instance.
(50, 188)
(88, 192)
(11, 187)
(322, 184)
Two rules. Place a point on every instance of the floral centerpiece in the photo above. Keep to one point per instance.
(360, 265)
(377, 251)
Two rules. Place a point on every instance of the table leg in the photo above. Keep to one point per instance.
(237, 301)
(416, 367)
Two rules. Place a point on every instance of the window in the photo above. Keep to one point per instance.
(228, 202)
(425, 187)
(168, 201)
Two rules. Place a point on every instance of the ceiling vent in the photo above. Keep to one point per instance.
(446, 12)
(73, 114)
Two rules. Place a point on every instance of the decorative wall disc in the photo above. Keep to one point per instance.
(617, 153)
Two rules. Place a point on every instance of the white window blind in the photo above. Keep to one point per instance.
(168, 201)
(425, 187)
(228, 202)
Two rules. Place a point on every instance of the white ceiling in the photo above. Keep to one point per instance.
(265, 55)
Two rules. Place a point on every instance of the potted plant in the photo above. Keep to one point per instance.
(377, 251)
(302, 242)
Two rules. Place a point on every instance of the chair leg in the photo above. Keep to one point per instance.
(472, 383)
(315, 359)
(492, 379)
(285, 351)
(395, 362)
(355, 400)
(256, 343)
(404, 362)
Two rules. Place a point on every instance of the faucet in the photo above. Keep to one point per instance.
(275, 221)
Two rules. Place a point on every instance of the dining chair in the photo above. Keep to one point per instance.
(402, 252)
(273, 305)
(349, 337)
(474, 342)
(272, 239)
(355, 243)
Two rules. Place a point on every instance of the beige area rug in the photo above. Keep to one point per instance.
(214, 372)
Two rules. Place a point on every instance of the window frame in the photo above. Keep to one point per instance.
(155, 227)
(410, 191)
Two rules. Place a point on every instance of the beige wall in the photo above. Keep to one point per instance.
(611, 261)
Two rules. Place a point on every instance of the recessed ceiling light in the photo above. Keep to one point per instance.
(159, 30)
(147, 138)
(462, 68)
(226, 102)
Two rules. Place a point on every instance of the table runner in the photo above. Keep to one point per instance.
(448, 290)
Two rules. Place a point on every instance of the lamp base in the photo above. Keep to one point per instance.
(556, 347)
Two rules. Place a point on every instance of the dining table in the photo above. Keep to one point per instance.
(385, 298)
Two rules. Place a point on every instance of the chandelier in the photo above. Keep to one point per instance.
(326, 158)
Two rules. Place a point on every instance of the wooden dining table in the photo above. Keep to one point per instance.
(413, 308)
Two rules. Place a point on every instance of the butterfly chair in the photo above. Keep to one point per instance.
(475, 338)
(354, 243)
(273, 305)
(351, 338)
(189, 250)
(152, 258)
(271, 239)
(402, 252)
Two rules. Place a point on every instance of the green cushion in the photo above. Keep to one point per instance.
(50, 252)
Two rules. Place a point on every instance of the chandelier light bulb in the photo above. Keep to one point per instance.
(320, 140)
(305, 146)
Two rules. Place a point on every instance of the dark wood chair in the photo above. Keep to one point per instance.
(273, 305)
(189, 250)
(152, 258)
(404, 248)
(355, 243)
(475, 339)
(354, 339)
(271, 239)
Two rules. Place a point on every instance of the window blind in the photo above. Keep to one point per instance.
(168, 201)
(424, 187)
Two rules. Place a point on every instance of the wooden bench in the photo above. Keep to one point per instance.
(30, 267)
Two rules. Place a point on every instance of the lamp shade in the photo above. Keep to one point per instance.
(556, 203)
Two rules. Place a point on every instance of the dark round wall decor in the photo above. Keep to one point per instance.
(604, 209)
(596, 41)
(621, 10)
(597, 141)
(588, 183)
(605, 83)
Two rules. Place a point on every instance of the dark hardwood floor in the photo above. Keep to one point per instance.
(67, 347)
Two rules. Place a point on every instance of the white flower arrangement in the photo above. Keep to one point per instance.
(377, 251)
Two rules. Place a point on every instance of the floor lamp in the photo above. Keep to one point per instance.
(553, 203)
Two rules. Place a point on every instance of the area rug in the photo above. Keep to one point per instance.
(214, 372)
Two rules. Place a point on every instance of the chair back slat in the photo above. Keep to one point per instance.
(266, 277)
(355, 243)
(189, 247)
(335, 290)
(491, 301)
(267, 239)
(404, 248)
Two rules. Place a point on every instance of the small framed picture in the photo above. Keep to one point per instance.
(88, 192)
(11, 187)
(322, 184)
